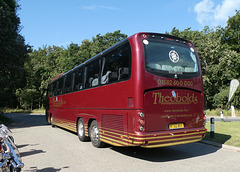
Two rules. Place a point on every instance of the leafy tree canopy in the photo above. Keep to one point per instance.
(13, 53)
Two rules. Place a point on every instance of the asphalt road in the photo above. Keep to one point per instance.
(47, 149)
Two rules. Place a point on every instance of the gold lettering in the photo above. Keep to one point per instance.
(178, 98)
(155, 97)
(195, 100)
(161, 98)
(184, 99)
(167, 97)
(158, 98)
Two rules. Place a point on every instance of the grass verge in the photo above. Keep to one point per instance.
(40, 111)
(216, 112)
(225, 133)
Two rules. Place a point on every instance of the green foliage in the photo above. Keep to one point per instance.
(13, 53)
(28, 97)
(221, 98)
(231, 34)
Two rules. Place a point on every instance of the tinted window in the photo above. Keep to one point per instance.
(116, 65)
(78, 79)
(166, 59)
(53, 89)
(68, 87)
(60, 86)
(92, 74)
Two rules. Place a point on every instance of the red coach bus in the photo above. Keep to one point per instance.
(144, 91)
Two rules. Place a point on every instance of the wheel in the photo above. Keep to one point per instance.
(51, 121)
(95, 135)
(81, 131)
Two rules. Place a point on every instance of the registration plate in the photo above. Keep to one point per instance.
(176, 126)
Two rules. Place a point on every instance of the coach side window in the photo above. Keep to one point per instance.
(78, 80)
(68, 83)
(60, 86)
(92, 74)
(53, 89)
(116, 65)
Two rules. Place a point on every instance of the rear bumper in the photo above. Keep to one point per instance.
(151, 139)
(167, 138)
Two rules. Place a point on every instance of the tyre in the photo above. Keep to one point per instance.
(81, 131)
(95, 135)
(51, 121)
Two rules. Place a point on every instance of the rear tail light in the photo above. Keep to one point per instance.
(141, 121)
(141, 114)
(141, 128)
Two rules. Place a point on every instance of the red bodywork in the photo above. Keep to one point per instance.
(117, 107)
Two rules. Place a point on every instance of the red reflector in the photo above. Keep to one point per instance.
(169, 39)
(141, 122)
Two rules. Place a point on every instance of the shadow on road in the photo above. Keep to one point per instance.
(22, 120)
(31, 152)
(166, 154)
(48, 169)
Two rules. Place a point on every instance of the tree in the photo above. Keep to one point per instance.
(40, 67)
(231, 33)
(13, 53)
(101, 43)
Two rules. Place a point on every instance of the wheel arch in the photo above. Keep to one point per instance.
(90, 121)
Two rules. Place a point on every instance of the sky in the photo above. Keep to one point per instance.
(62, 22)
